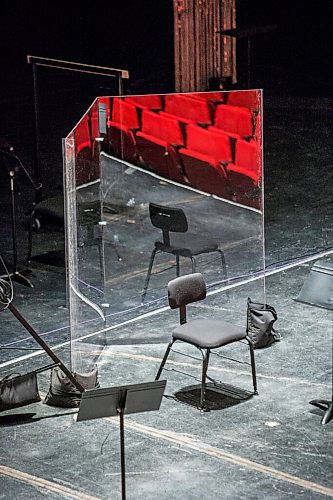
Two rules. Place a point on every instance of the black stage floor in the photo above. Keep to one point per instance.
(268, 446)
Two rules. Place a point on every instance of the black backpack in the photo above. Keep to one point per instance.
(260, 321)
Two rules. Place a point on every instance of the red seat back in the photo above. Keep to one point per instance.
(234, 119)
(82, 134)
(209, 143)
(188, 107)
(167, 129)
(124, 113)
(245, 98)
(248, 156)
(208, 96)
(153, 101)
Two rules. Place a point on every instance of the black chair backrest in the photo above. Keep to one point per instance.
(168, 218)
(186, 289)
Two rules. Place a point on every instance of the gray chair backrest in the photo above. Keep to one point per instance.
(186, 289)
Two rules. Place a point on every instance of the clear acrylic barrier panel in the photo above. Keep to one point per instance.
(156, 186)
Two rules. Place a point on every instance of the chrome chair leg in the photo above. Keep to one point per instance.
(150, 267)
(193, 264)
(177, 266)
(205, 354)
(253, 365)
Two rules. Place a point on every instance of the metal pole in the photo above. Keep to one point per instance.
(12, 196)
(46, 348)
(36, 136)
(122, 455)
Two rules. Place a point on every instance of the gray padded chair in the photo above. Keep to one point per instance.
(205, 334)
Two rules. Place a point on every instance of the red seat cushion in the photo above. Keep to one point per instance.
(121, 141)
(203, 172)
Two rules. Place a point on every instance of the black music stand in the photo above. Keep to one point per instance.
(248, 34)
(121, 400)
(318, 291)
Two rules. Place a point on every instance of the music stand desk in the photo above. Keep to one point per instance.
(112, 401)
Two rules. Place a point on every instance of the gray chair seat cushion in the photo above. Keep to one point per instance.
(209, 333)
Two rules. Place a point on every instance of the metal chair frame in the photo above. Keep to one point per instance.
(198, 292)
(170, 219)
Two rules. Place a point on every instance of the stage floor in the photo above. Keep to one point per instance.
(268, 446)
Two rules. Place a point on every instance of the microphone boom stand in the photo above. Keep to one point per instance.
(17, 276)
(13, 164)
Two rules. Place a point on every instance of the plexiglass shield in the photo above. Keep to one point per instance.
(159, 186)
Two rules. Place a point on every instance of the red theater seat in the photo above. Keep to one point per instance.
(124, 113)
(247, 161)
(157, 143)
(188, 109)
(82, 135)
(249, 99)
(245, 174)
(234, 121)
(204, 159)
(209, 96)
(124, 121)
(86, 164)
(152, 102)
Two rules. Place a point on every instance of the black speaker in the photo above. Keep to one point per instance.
(318, 286)
(102, 118)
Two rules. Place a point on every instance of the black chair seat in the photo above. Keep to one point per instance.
(51, 208)
(209, 333)
(186, 247)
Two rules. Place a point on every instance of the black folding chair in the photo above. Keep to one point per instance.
(205, 334)
(180, 244)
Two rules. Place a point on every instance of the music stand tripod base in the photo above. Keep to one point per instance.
(20, 277)
(325, 405)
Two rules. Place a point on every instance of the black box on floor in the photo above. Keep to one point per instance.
(318, 287)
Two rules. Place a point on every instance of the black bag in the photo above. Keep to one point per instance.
(18, 390)
(63, 393)
(260, 321)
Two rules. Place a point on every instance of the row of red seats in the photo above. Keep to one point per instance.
(229, 117)
(237, 122)
(235, 115)
(202, 157)
(244, 98)
(86, 150)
